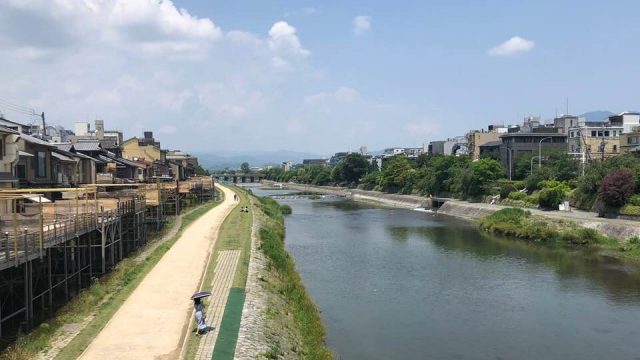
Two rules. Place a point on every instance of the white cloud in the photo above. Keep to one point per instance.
(512, 46)
(148, 26)
(284, 40)
(361, 24)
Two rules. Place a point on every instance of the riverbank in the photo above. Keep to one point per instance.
(280, 320)
(619, 229)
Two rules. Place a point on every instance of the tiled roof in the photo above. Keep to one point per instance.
(64, 146)
(87, 145)
(35, 140)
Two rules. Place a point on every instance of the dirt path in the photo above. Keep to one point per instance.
(220, 286)
(152, 322)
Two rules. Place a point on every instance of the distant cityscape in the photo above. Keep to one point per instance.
(583, 139)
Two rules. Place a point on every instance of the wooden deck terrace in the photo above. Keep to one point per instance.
(26, 237)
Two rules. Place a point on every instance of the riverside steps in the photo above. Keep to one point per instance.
(51, 250)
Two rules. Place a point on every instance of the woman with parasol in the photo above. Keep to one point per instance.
(199, 308)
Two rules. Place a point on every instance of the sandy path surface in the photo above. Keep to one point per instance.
(152, 322)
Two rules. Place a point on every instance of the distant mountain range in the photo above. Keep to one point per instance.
(597, 115)
(221, 160)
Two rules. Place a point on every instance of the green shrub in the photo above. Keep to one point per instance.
(506, 189)
(552, 194)
(630, 210)
(635, 200)
(285, 209)
(517, 195)
(532, 199)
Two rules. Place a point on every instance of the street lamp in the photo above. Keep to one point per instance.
(540, 150)
(531, 163)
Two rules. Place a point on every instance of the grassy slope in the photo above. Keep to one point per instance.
(235, 234)
(519, 223)
(298, 311)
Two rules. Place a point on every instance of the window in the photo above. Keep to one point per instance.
(21, 172)
(593, 133)
(41, 167)
(615, 148)
(600, 133)
(606, 133)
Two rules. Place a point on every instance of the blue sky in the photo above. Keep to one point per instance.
(315, 76)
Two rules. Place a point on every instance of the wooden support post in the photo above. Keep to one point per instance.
(103, 244)
(86, 210)
(66, 277)
(16, 235)
(50, 282)
(95, 204)
(41, 227)
(77, 209)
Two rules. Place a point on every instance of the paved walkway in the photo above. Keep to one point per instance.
(153, 321)
(220, 286)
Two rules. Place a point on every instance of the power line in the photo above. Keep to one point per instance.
(10, 106)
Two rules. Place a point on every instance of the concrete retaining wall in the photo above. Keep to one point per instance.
(466, 211)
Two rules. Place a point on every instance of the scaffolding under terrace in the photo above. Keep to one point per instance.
(50, 250)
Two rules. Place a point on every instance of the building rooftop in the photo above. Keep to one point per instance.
(87, 145)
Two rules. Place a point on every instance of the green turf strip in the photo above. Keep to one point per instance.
(228, 334)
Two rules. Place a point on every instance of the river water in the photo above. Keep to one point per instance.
(401, 284)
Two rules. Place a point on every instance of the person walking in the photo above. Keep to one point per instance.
(200, 316)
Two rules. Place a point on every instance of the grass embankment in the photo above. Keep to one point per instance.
(521, 224)
(235, 234)
(306, 321)
(103, 299)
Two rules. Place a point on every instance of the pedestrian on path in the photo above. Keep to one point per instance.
(200, 316)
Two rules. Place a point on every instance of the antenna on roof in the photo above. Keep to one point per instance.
(567, 105)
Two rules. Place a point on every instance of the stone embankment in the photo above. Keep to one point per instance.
(621, 229)
(395, 200)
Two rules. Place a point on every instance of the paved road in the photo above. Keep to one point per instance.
(152, 322)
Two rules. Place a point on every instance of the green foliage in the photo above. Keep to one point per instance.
(201, 171)
(371, 180)
(517, 195)
(552, 194)
(285, 209)
(476, 178)
(588, 185)
(305, 313)
(436, 175)
(519, 223)
(396, 173)
(635, 200)
(244, 168)
(351, 169)
(630, 210)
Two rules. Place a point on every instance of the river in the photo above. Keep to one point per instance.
(401, 284)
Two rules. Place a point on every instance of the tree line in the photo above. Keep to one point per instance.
(610, 185)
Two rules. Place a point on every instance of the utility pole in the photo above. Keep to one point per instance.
(44, 126)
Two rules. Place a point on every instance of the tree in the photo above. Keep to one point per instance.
(617, 187)
(588, 185)
(552, 194)
(395, 173)
(478, 176)
(353, 167)
(244, 168)
(201, 171)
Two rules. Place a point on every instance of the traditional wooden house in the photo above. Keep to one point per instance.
(34, 166)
